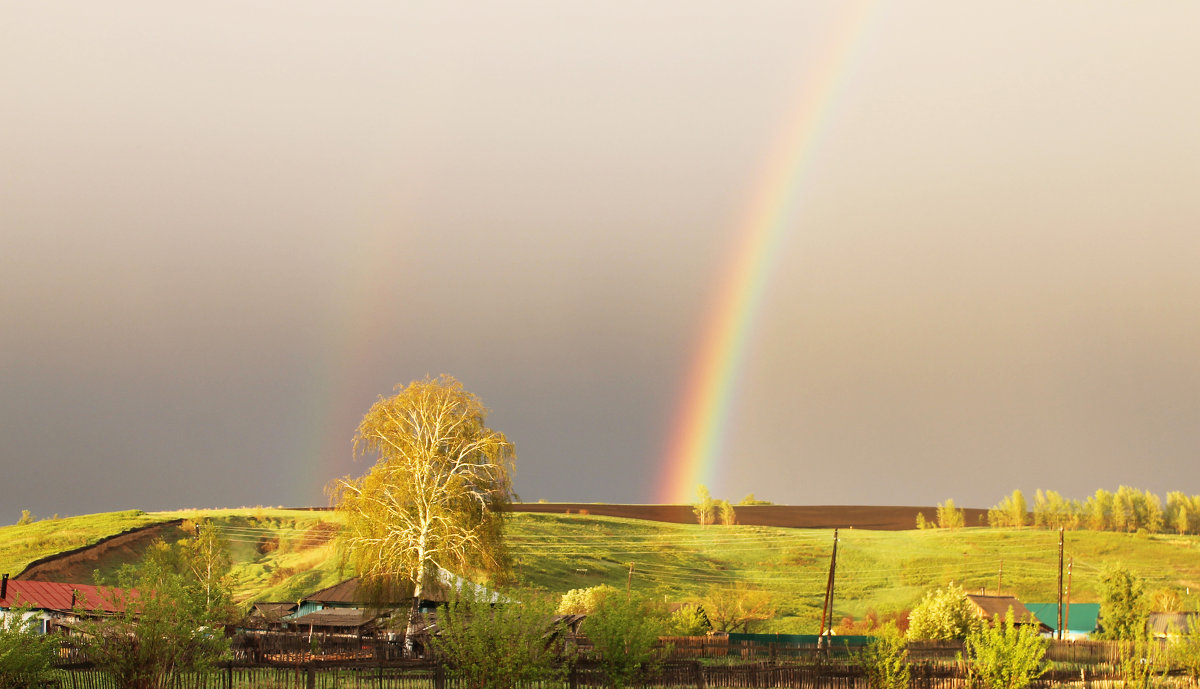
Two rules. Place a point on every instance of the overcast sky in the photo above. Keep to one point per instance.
(227, 227)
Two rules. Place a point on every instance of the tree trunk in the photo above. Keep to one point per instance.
(411, 628)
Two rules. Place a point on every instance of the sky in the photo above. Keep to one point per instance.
(226, 229)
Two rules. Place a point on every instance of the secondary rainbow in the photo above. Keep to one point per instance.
(696, 438)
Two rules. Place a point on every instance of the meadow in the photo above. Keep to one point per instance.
(282, 555)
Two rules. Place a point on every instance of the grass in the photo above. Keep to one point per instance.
(283, 555)
(22, 544)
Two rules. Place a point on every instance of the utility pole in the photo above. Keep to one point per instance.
(1000, 579)
(827, 609)
(1067, 616)
(629, 583)
(1060, 582)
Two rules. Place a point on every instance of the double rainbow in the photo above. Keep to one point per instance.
(697, 436)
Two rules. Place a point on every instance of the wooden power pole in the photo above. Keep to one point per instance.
(827, 609)
(1060, 582)
(1067, 614)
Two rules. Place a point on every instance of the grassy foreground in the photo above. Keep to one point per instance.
(284, 554)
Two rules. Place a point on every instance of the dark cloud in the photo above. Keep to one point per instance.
(226, 232)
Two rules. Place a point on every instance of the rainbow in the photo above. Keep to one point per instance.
(696, 438)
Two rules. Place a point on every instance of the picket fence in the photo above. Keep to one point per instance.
(676, 675)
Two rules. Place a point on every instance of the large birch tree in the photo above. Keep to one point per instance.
(437, 494)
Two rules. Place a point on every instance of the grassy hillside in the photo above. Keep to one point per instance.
(283, 554)
(22, 544)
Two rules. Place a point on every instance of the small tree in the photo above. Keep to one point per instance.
(885, 661)
(26, 657)
(751, 500)
(943, 614)
(499, 646)
(584, 601)
(688, 620)
(1007, 655)
(949, 516)
(163, 630)
(26, 518)
(725, 513)
(1011, 511)
(737, 608)
(1123, 608)
(206, 558)
(921, 522)
(705, 507)
(624, 632)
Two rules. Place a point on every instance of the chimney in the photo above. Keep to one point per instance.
(4, 587)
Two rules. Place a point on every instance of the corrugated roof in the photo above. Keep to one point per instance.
(1082, 618)
(274, 611)
(1171, 623)
(439, 590)
(336, 617)
(50, 595)
(351, 592)
(996, 608)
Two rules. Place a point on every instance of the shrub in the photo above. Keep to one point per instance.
(1185, 651)
(498, 646)
(26, 657)
(1141, 660)
(163, 632)
(688, 620)
(885, 661)
(1123, 606)
(1007, 655)
(584, 601)
(624, 632)
(943, 614)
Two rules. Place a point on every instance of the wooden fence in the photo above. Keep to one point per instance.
(675, 675)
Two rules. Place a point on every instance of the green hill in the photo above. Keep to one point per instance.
(284, 554)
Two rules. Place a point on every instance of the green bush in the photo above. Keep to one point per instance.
(885, 661)
(1124, 609)
(624, 632)
(1007, 655)
(26, 657)
(1185, 651)
(584, 601)
(943, 614)
(688, 620)
(498, 646)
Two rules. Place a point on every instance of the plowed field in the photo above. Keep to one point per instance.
(886, 518)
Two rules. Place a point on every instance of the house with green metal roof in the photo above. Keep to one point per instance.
(1080, 620)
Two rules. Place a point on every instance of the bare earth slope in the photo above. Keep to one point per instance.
(886, 518)
(78, 564)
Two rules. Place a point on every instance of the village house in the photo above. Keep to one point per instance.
(1170, 625)
(995, 609)
(58, 605)
(1080, 620)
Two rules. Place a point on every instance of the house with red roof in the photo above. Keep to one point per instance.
(58, 604)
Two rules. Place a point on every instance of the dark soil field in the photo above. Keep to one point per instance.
(887, 518)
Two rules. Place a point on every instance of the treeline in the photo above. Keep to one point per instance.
(1126, 510)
